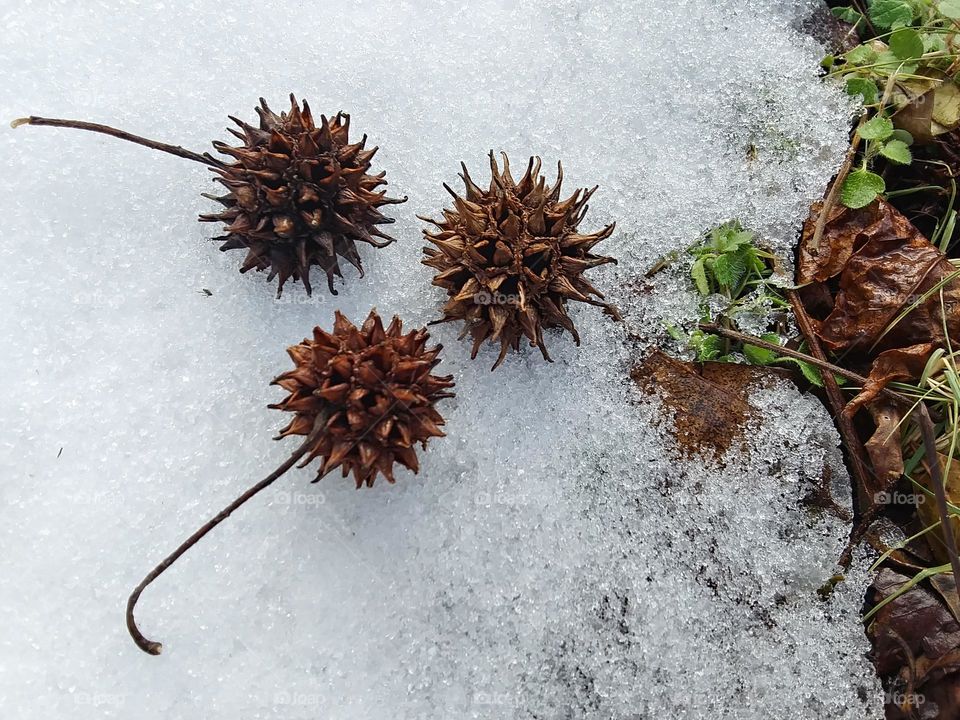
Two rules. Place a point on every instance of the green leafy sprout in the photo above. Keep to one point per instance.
(729, 267)
(911, 48)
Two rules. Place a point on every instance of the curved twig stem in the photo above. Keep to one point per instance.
(205, 158)
(761, 343)
(831, 199)
(154, 648)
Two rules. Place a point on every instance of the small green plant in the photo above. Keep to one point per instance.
(728, 263)
(862, 186)
(732, 276)
(905, 72)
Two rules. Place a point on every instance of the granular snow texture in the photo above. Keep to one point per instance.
(556, 557)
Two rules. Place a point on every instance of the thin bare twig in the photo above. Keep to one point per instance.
(834, 395)
(205, 158)
(154, 648)
(831, 199)
(864, 510)
(795, 354)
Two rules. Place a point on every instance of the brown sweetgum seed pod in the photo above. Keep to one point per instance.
(363, 397)
(298, 194)
(510, 258)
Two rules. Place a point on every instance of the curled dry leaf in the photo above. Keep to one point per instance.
(889, 366)
(916, 644)
(883, 447)
(885, 268)
(840, 234)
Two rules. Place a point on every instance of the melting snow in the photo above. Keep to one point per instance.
(555, 558)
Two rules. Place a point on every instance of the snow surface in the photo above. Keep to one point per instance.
(555, 558)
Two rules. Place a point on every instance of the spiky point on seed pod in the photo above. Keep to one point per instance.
(510, 258)
(298, 195)
(363, 397)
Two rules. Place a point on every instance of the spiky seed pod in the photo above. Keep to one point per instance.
(362, 397)
(510, 257)
(299, 195)
(373, 392)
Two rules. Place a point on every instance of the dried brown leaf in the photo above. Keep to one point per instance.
(883, 447)
(841, 236)
(891, 365)
(890, 271)
(708, 400)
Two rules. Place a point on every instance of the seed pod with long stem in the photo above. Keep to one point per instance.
(298, 194)
(363, 397)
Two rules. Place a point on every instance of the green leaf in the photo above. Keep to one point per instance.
(897, 151)
(888, 13)
(906, 44)
(675, 332)
(751, 261)
(877, 128)
(863, 87)
(810, 372)
(903, 136)
(699, 274)
(933, 42)
(861, 55)
(729, 270)
(847, 14)
(889, 64)
(761, 356)
(861, 188)
(733, 240)
(709, 348)
(950, 9)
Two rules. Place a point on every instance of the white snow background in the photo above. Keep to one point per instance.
(555, 558)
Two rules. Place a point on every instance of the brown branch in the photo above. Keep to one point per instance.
(795, 354)
(845, 426)
(154, 648)
(205, 158)
(831, 199)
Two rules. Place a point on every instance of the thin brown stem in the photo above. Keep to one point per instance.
(780, 349)
(205, 158)
(831, 199)
(855, 450)
(154, 648)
